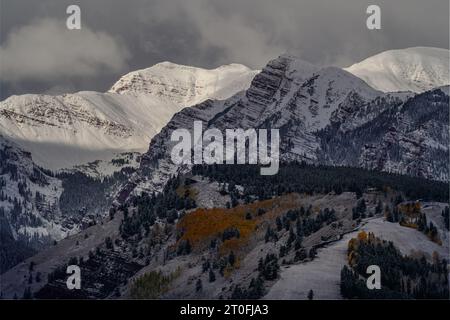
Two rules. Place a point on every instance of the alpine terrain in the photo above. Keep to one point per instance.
(363, 180)
(71, 130)
(64, 157)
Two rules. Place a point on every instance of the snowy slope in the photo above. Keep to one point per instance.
(75, 129)
(288, 93)
(322, 275)
(37, 207)
(95, 133)
(68, 130)
(29, 197)
(186, 85)
(413, 69)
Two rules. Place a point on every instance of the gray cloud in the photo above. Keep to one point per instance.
(46, 49)
(208, 33)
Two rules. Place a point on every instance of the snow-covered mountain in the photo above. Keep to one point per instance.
(325, 116)
(186, 85)
(409, 137)
(76, 129)
(95, 133)
(73, 129)
(312, 107)
(413, 69)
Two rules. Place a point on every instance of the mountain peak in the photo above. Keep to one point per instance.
(295, 64)
(63, 131)
(186, 85)
(414, 69)
(172, 65)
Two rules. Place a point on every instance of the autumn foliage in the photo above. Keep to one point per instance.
(202, 225)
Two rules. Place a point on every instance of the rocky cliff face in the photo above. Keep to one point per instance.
(325, 116)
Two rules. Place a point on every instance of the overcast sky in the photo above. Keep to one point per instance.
(39, 54)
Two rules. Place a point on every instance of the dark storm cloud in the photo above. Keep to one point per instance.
(121, 36)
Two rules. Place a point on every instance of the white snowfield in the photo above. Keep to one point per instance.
(414, 69)
(322, 275)
(73, 129)
(186, 85)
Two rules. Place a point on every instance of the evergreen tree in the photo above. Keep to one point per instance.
(212, 276)
(269, 268)
(198, 285)
(445, 215)
(231, 258)
(279, 224)
(256, 288)
(109, 243)
(379, 207)
(312, 253)
(27, 294)
(282, 251)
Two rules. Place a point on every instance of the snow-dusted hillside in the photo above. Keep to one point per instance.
(326, 115)
(413, 69)
(73, 129)
(324, 272)
(29, 197)
(186, 85)
(90, 132)
(37, 207)
(76, 129)
(288, 92)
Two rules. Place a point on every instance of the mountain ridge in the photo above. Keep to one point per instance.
(330, 121)
(72, 130)
(414, 69)
(326, 116)
(301, 103)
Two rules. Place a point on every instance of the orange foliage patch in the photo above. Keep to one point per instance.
(362, 236)
(411, 213)
(354, 243)
(233, 244)
(410, 208)
(202, 225)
